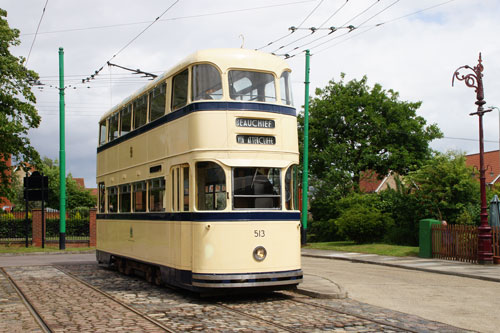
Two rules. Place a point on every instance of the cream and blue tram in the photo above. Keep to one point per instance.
(197, 176)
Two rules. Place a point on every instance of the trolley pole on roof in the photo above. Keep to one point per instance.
(62, 156)
(305, 172)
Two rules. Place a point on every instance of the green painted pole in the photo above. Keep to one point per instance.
(305, 173)
(62, 156)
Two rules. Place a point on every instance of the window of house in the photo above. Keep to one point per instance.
(256, 188)
(286, 88)
(139, 197)
(140, 111)
(210, 186)
(207, 84)
(113, 127)
(157, 101)
(156, 190)
(102, 132)
(102, 198)
(112, 199)
(125, 198)
(180, 90)
(251, 86)
(126, 120)
(291, 184)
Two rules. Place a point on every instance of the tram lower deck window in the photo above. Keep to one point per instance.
(256, 188)
(211, 186)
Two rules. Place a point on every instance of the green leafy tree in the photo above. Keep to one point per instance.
(446, 189)
(17, 110)
(75, 195)
(354, 128)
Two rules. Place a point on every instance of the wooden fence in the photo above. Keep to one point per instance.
(495, 232)
(455, 242)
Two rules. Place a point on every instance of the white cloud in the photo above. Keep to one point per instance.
(415, 56)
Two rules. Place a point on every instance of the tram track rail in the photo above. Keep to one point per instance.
(329, 308)
(142, 315)
(290, 297)
(44, 326)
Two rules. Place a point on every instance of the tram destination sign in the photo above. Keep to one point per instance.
(256, 139)
(255, 123)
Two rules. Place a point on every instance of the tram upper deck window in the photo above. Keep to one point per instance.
(180, 90)
(140, 111)
(126, 120)
(207, 83)
(102, 132)
(252, 86)
(157, 101)
(256, 188)
(286, 89)
(113, 127)
(210, 186)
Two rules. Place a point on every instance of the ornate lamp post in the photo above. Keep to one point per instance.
(475, 80)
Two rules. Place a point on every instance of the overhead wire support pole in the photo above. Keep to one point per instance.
(305, 159)
(62, 156)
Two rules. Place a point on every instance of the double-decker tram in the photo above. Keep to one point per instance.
(197, 176)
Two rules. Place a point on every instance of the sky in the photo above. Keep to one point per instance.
(412, 47)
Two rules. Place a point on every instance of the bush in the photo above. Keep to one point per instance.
(363, 224)
(323, 231)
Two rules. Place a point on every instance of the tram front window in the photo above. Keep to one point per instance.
(286, 89)
(206, 83)
(252, 86)
(256, 188)
(211, 186)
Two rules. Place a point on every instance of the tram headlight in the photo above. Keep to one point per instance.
(259, 253)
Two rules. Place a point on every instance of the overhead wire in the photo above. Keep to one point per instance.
(171, 19)
(92, 76)
(292, 30)
(386, 22)
(343, 26)
(334, 13)
(36, 33)
(314, 9)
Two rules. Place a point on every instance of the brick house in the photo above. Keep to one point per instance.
(491, 163)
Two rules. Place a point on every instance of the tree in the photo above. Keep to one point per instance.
(446, 189)
(75, 195)
(17, 112)
(354, 128)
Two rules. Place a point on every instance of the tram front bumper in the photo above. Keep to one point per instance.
(247, 279)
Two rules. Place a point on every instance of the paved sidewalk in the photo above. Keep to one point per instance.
(457, 268)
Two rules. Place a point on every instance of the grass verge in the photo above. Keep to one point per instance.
(376, 248)
(31, 249)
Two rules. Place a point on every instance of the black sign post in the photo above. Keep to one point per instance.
(36, 188)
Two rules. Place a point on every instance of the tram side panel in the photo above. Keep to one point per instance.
(228, 247)
(161, 243)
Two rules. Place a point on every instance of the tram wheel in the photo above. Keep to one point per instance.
(149, 272)
(157, 278)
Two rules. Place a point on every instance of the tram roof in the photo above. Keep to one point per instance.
(223, 58)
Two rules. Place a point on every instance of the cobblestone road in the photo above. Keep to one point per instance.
(66, 303)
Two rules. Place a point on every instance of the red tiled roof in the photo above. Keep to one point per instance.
(80, 182)
(369, 182)
(491, 163)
